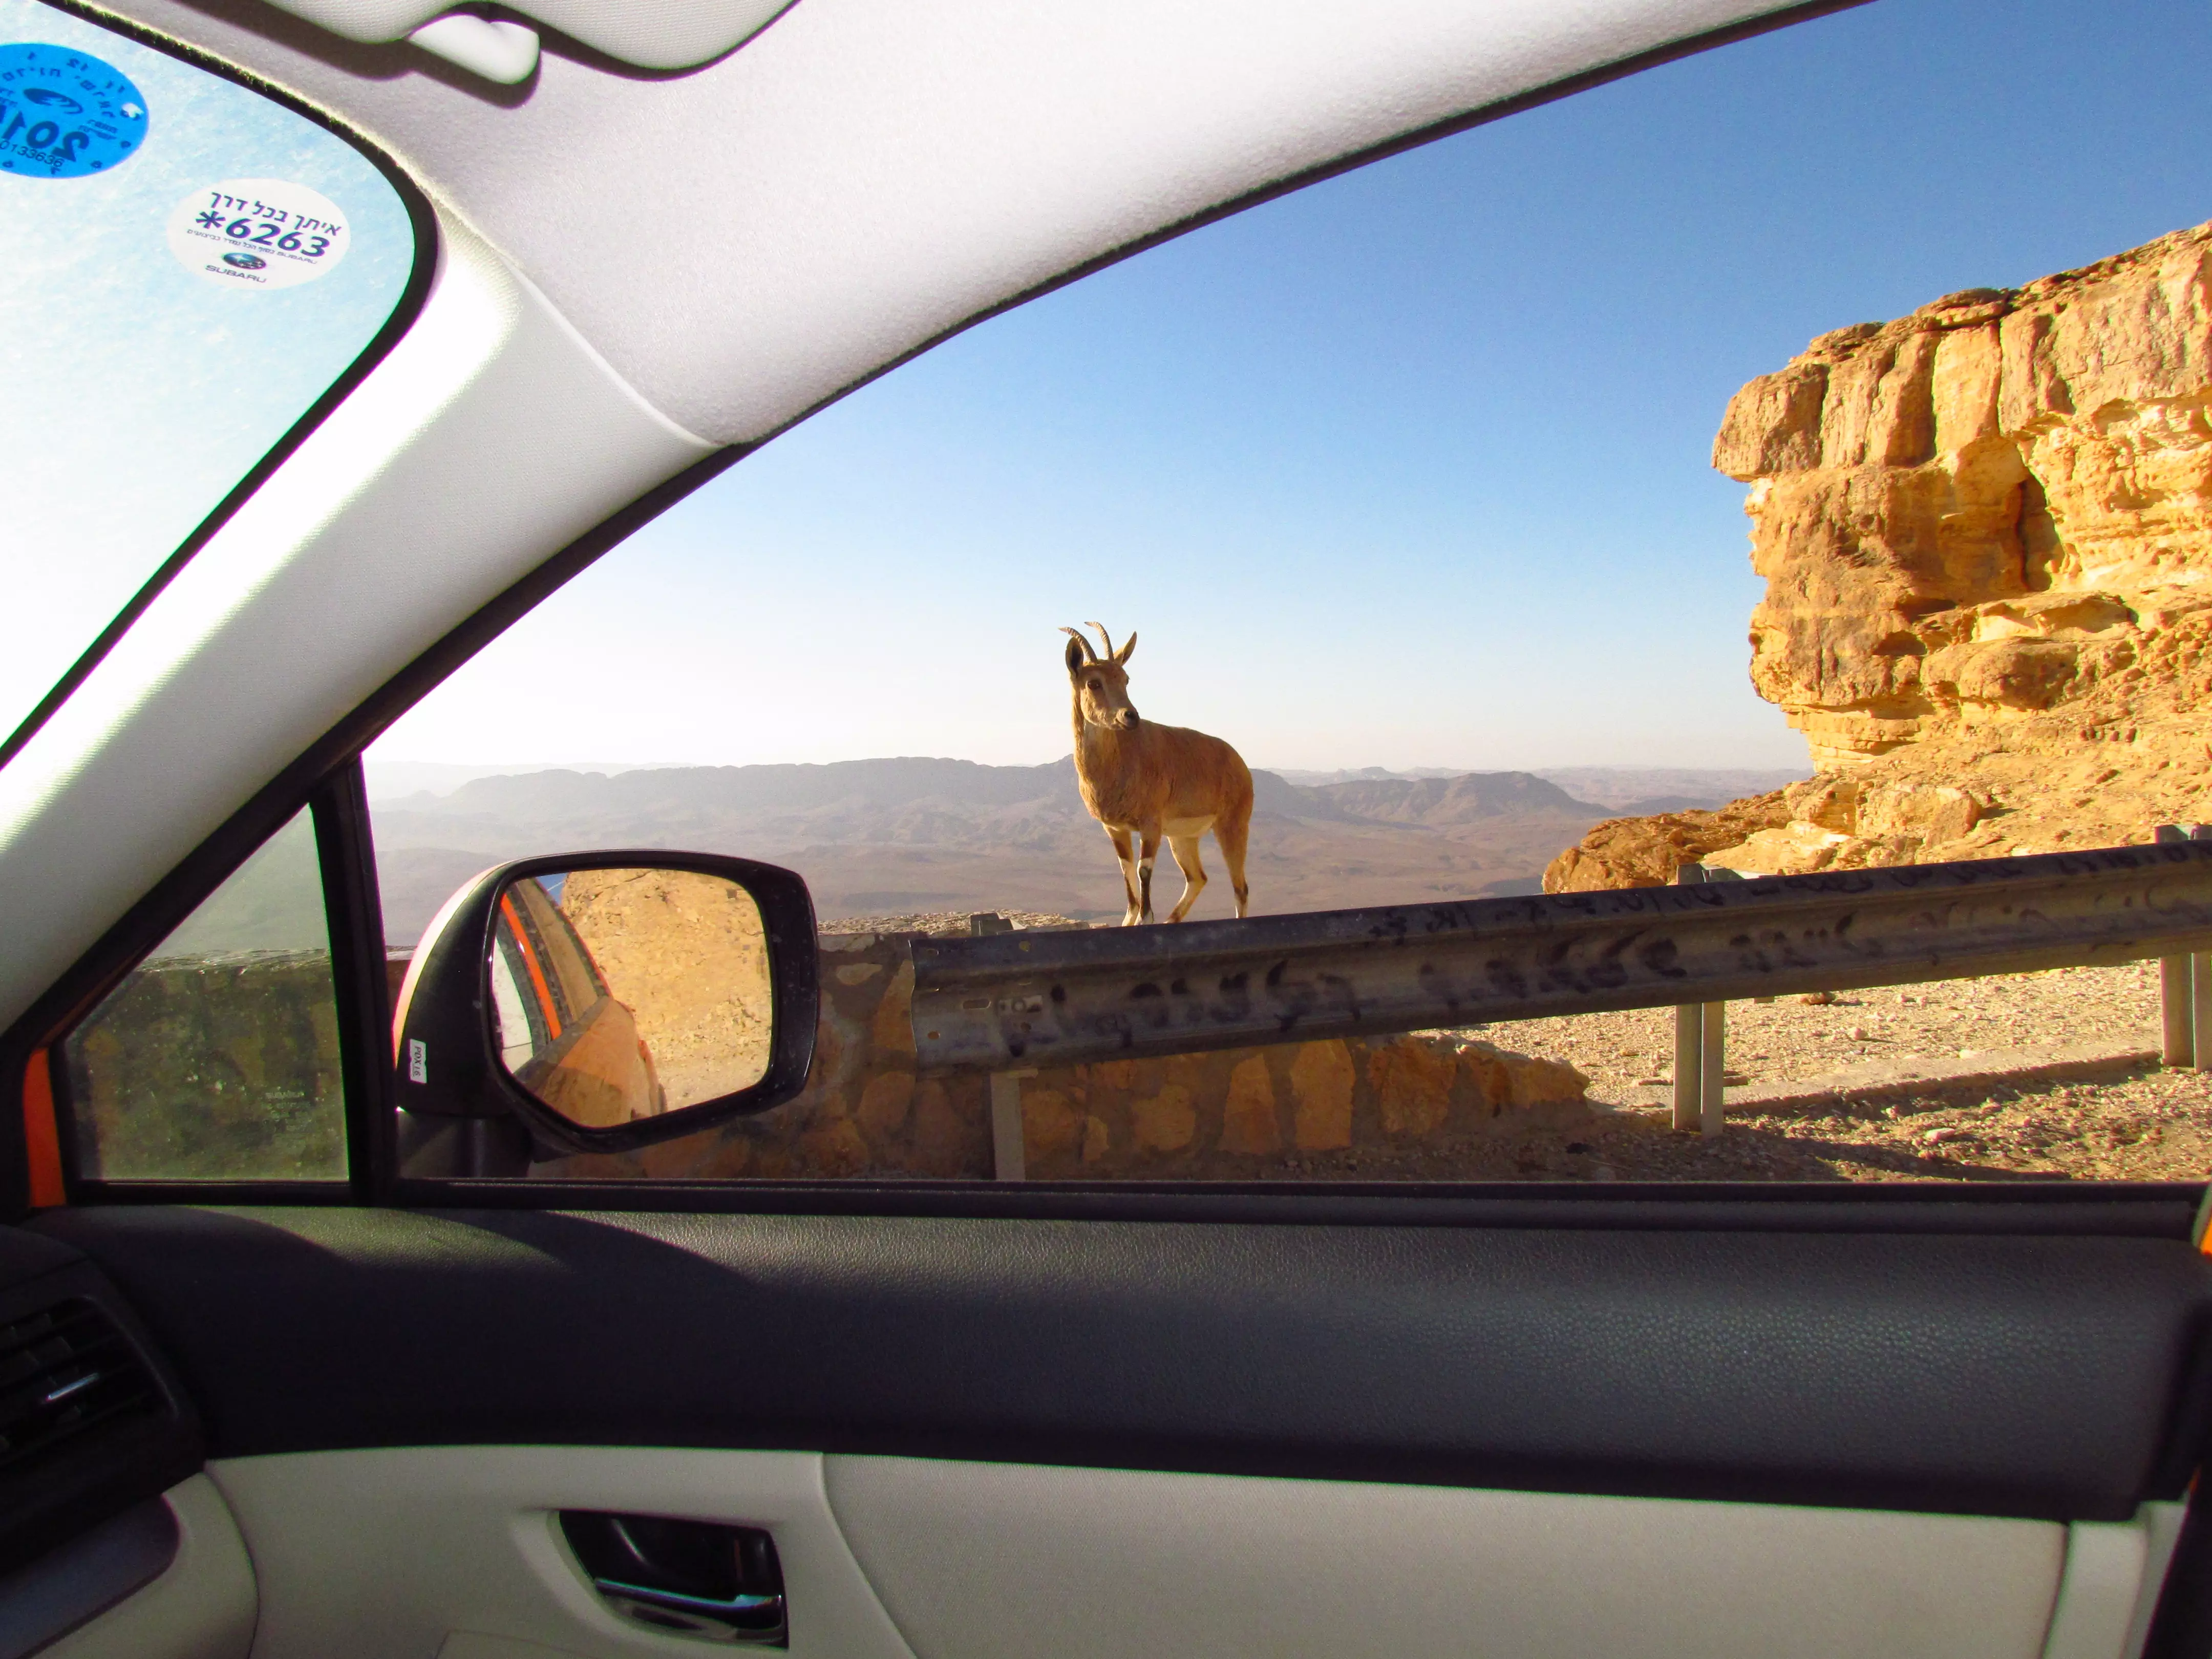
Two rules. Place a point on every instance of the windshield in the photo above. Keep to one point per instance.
(202, 263)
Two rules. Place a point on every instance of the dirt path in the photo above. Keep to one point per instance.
(2142, 1125)
(1851, 1088)
(1789, 1041)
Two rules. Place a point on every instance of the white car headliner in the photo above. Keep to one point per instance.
(743, 241)
(649, 33)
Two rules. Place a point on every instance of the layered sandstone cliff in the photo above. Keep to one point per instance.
(1986, 533)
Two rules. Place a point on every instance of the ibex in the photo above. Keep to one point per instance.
(1144, 780)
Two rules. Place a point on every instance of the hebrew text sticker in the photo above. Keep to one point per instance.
(258, 233)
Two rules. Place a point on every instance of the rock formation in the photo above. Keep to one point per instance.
(1986, 533)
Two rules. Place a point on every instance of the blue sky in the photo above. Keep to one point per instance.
(1410, 468)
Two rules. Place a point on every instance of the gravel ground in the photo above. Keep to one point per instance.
(2143, 1124)
(2129, 1122)
(1788, 1041)
(2139, 1125)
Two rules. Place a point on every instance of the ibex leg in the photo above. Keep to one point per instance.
(1230, 833)
(1145, 856)
(1186, 851)
(1127, 855)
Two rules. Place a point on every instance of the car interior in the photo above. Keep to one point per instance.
(346, 1352)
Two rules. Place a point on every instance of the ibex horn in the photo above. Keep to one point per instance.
(1104, 635)
(1088, 653)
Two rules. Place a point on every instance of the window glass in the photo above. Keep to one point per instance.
(190, 267)
(1426, 489)
(217, 1058)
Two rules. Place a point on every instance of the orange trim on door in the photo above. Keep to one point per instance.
(529, 961)
(41, 1135)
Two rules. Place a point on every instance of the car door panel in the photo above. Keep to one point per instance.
(2114, 1575)
(201, 1606)
(2028, 1376)
(452, 1550)
(992, 1561)
(976, 1435)
(456, 1549)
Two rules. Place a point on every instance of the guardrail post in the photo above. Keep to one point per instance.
(1712, 1068)
(1010, 1159)
(2176, 989)
(1700, 1039)
(1713, 1061)
(2200, 989)
(1689, 1037)
(1009, 1155)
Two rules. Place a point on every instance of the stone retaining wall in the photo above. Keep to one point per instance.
(232, 1071)
(1235, 1115)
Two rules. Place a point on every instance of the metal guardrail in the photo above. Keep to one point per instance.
(1054, 998)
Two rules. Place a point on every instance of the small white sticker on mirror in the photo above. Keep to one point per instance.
(418, 1061)
(258, 233)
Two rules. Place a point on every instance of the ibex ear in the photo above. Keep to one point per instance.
(1075, 657)
(1127, 645)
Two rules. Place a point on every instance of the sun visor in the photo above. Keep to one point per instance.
(650, 34)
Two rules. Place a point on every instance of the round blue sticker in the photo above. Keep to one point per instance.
(64, 114)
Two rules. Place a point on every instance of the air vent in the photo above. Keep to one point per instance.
(64, 1373)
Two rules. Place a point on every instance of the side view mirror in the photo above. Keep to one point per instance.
(597, 1002)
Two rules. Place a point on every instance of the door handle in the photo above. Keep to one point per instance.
(700, 1578)
(754, 1619)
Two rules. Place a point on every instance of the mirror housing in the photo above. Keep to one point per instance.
(466, 1114)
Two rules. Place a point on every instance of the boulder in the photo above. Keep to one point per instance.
(1986, 534)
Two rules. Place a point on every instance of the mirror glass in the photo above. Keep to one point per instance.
(618, 994)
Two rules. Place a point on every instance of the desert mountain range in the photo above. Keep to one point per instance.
(895, 835)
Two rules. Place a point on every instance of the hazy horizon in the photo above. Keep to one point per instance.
(915, 835)
(391, 778)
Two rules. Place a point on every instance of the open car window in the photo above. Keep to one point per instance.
(1423, 495)
(209, 264)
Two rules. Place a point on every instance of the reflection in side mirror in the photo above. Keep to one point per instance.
(600, 1002)
(620, 994)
